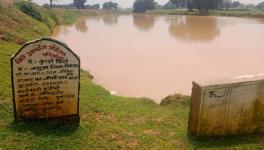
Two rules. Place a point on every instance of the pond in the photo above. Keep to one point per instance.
(154, 56)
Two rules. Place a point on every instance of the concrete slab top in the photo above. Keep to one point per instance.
(234, 80)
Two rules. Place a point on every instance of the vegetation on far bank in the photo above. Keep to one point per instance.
(232, 12)
(107, 122)
(201, 7)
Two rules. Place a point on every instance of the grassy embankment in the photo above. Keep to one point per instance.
(107, 122)
(252, 13)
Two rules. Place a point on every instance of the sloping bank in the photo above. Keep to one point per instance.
(107, 122)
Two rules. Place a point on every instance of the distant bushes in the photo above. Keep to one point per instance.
(110, 5)
(50, 17)
(260, 5)
(41, 14)
(141, 6)
(54, 17)
(28, 9)
(177, 99)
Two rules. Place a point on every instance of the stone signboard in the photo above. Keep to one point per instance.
(228, 107)
(45, 81)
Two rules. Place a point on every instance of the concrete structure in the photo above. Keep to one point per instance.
(227, 107)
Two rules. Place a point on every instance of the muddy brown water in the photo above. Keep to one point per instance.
(154, 56)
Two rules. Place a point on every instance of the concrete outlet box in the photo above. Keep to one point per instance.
(229, 107)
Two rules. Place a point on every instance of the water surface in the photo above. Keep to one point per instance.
(154, 56)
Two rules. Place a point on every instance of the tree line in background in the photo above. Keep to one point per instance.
(80, 4)
(140, 6)
(203, 6)
(214, 4)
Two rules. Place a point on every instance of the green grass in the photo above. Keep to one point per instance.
(112, 122)
(254, 13)
(18, 27)
(107, 122)
(6, 51)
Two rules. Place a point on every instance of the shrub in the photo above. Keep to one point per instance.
(175, 99)
(54, 17)
(140, 6)
(30, 10)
